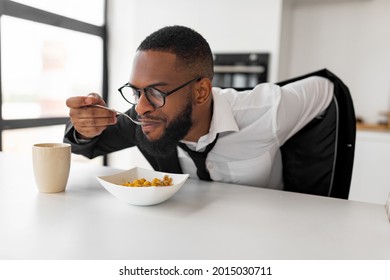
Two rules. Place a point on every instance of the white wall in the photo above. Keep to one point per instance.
(350, 38)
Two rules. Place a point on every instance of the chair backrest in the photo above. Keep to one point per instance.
(319, 158)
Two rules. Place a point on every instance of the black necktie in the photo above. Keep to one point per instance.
(199, 159)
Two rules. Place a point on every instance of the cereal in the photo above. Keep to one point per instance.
(142, 182)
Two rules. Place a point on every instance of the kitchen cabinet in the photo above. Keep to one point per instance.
(371, 171)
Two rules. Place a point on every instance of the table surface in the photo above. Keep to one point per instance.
(204, 220)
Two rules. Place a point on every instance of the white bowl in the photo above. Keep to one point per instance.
(141, 195)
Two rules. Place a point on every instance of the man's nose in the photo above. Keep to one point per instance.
(143, 106)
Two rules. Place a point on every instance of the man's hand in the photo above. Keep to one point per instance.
(88, 121)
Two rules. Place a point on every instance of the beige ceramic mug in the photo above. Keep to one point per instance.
(51, 164)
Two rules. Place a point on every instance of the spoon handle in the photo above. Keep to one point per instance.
(117, 112)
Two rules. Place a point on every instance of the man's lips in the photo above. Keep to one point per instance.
(146, 121)
(149, 124)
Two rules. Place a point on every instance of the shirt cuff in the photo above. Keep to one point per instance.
(79, 140)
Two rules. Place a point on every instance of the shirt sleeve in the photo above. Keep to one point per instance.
(300, 102)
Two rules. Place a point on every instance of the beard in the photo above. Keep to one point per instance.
(175, 132)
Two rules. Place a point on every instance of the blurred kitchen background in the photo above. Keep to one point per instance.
(54, 49)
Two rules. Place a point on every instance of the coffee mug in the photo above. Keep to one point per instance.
(51, 164)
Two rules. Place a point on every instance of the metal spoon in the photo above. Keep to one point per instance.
(117, 112)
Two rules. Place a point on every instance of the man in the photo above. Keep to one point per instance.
(238, 133)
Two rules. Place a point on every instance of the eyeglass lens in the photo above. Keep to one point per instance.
(132, 95)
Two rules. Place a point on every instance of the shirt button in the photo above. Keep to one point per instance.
(210, 165)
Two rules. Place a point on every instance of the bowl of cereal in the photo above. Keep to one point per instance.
(140, 186)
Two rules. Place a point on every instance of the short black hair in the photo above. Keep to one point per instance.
(188, 45)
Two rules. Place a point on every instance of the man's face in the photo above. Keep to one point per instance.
(162, 127)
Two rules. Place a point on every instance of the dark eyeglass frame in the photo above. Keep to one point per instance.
(137, 91)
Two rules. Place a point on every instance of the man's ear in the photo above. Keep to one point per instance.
(203, 91)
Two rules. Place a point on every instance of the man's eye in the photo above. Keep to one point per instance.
(154, 92)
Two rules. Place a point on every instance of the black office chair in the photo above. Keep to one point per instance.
(319, 158)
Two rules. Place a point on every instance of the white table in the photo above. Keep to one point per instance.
(202, 221)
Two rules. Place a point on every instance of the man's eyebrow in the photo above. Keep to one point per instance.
(151, 85)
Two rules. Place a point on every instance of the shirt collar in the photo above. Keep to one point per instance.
(222, 120)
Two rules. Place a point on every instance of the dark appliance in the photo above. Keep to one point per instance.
(240, 70)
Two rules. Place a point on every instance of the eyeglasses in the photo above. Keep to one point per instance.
(155, 96)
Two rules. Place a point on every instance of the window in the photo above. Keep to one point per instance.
(48, 53)
(48, 65)
(91, 11)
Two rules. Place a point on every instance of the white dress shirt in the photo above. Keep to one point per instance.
(252, 125)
